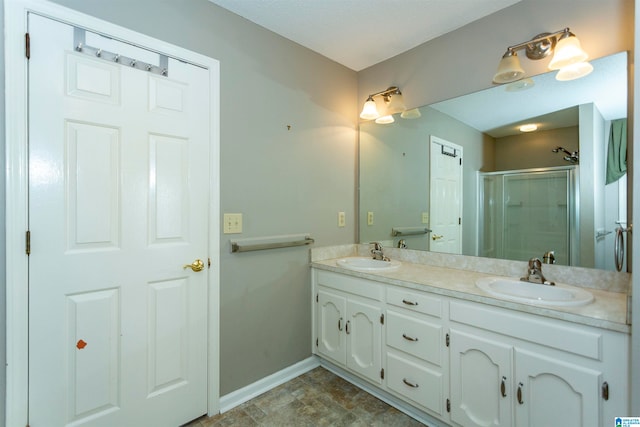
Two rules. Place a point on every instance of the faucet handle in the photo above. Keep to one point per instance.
(377, 246)
(535, 263)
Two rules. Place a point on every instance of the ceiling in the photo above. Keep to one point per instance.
(361, 33)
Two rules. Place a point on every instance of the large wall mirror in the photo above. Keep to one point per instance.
(464, 178)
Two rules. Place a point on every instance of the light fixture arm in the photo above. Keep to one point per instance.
(393, 90)
(541, 45)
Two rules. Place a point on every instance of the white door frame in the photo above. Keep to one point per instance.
(16, 174)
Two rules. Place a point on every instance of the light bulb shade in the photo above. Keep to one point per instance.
(414, 113)
(385, 120)
(509, 69)
(369, 111)
(396, 103)
(567, 52)
(574, 71)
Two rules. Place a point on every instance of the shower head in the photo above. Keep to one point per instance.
(570, 157)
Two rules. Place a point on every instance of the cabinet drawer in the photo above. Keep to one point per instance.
(414, 300)
(419, 338)
(416, 383)
(352, 285)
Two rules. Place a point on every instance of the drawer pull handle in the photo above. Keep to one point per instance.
(520, 401)
(340, 324)
(346, 327)
(503, 387)
(410, 384)
(409, 338)
(409, 302)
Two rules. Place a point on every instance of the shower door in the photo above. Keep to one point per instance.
(536, 215)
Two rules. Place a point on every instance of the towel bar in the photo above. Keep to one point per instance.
(273, 242)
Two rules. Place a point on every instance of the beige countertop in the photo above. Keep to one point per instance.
(607, 311)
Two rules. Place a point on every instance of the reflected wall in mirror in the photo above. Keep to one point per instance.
(524, 195)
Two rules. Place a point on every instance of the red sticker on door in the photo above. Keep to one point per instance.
(81, 344)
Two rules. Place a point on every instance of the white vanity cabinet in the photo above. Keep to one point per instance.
(349, 323)
(510, 368)
(447, 359)
(416, 355)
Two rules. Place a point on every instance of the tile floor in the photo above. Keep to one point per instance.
(317, 398)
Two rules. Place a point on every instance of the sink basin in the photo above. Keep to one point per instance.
(368, 264)
(517, 290)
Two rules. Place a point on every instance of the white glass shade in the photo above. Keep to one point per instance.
(530, 127)
(509, 69)
(567, 52)
(369, 111)
(574, 71)
(396, 104)
(414, 113)
(385, 120)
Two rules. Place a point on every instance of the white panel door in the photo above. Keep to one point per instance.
(445, 196)
(481, 393)
(332, 342)
(364, 341)
(118, 195)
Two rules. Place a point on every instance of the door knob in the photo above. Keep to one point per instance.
(436, 237)
(196, 265)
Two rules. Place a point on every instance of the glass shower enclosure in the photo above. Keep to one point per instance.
(528, 213)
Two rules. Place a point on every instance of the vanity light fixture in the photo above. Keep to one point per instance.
(393, 101)
(568, 57)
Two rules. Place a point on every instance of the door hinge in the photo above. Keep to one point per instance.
(27, 241)
(316, 342)
(27, 45)
(209, 262)
(459, 221)
(317, 299)
(460, 161)
(447, 340)
(382, 373)
(448, 405)
(382, 319)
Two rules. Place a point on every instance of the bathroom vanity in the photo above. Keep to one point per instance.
(428, 340)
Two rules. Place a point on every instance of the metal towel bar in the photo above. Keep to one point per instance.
(407, 231)
(273, 242)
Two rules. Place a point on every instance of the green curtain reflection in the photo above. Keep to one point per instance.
(617, 151)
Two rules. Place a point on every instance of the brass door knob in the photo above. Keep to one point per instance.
(436, 237)
(196, 265)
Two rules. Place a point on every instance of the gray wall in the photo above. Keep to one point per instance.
(283, 181)
(533, 150)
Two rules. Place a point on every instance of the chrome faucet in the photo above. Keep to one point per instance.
(402, 244)
(377, 252)
(534, 273)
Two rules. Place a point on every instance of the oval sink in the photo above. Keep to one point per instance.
(517, 290)
(368, 264)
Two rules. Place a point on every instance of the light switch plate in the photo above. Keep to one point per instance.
(369, 218)
(342, 220)
(232, 223)
(425, 217)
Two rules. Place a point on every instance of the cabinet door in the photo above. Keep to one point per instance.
(364, 338)
(480, 381)
(551, 393)
(331, 323)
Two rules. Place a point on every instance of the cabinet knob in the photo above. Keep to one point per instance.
(520, 400)
(409, 383)
(408, 338)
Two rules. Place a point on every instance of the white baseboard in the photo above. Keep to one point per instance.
(238, 397)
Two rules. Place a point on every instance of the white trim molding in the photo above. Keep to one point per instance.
(238, 397)
(16, 173)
